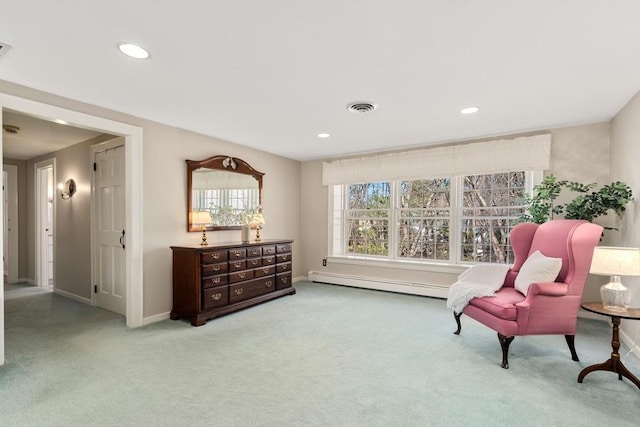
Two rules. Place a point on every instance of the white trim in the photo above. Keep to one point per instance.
(72, 296)
(134, 194)
(424, 289)
(39, 244)
(27, 280)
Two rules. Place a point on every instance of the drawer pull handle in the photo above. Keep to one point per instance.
(265, 270)
(216, 297)
(269, 250)
(237, 265)
(215, 255)
(284, 280)
(285, 257)
(268, 283)
(284, 267)
(238, 291)
(216, 280)
(238, 253)
(216, 268)
(242, 275)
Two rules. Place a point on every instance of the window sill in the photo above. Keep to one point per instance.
(398, 264)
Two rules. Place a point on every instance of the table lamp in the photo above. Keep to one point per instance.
(258, 221)
(615, 262)
(201, 218)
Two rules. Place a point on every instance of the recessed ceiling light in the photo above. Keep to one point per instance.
(469, 110)
(133, 50)
(323, 135)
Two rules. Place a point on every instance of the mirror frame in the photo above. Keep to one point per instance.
(220, 163)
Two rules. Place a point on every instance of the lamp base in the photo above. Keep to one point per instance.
(258, 233)
(615, 296)
(204, 238)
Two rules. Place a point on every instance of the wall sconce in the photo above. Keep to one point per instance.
(68, 189)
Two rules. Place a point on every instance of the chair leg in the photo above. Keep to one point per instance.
(457, 316)
(572, 347)
(504, 343)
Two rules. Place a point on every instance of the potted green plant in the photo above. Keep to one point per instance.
(588, 205)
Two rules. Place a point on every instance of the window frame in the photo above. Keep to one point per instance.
(338, 240)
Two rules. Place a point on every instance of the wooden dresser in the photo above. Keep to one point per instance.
(215, 280)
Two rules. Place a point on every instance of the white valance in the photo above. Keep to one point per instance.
(524, 153)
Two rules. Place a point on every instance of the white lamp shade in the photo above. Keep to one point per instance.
(201, 218)
(257, 219)
(615, 261)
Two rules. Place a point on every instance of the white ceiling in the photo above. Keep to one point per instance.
(273, 74)
(36, 137)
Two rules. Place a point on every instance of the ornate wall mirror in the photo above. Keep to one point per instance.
(227, 188)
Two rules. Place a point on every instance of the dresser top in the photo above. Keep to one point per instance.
(215, 246)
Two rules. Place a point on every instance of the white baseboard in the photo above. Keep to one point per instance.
(629, 341)
(25, 280)
(155, 318)
(72, 296)
(424, 289)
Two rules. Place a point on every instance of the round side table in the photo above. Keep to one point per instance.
(613, 364)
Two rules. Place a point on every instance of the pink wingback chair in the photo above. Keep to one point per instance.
(548, 308)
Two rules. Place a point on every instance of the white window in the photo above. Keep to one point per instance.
(458, 219)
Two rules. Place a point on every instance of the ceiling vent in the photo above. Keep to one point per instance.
(4, 48)
(10, 129)
(361, 107)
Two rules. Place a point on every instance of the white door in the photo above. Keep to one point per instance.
(10, 187)
(109, 227)
(45, 191)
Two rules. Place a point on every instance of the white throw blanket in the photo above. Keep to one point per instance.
(482, 280)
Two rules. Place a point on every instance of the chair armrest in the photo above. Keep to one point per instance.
(552, 289)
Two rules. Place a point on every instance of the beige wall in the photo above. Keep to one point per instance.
(165, 150)
(578, 153)
(625, 158)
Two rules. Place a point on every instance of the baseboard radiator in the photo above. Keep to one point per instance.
(424, 289)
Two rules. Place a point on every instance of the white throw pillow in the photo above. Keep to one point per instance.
(537, 269)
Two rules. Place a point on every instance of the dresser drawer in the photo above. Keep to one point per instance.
(283, 248)
(240, 276)
(238, 253)
(215, 297)
(254, 252)
(237, 265)
(212, 257)
(283, 280)
(283, 258)
(268, 250)
(264, 271)
(253, 288)
(211, 269)
(254, 262)
(208, 282)
(268, 260)
(281, 268)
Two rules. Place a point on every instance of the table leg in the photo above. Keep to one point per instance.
(613, 364)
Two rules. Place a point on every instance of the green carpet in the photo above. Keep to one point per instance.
(327, 356)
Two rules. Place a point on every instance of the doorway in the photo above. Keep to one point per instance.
(109, 228)
(133, 195)
(10, 223)
(45, 177)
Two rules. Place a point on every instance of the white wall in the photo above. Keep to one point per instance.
(165, 150)
(578, 153)
(625, 158)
